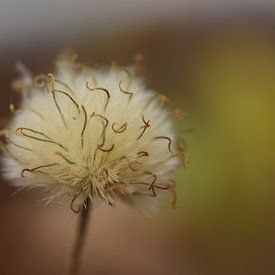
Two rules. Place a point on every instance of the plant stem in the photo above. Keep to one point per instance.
(78, 245)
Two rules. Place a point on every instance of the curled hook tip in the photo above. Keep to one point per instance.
(73, 201)
(169, 142)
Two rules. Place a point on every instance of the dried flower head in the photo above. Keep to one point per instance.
(91, 133)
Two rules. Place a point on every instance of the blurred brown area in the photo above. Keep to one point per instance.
(222, 75)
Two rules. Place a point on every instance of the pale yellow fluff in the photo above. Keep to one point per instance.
(85, 133)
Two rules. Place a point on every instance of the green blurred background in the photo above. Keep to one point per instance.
(215, 63)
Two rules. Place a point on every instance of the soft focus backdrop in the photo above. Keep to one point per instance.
(213, 59)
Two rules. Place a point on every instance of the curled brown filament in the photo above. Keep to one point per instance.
(73, 201)
(41, 81)
(129, 163)
(36, 168)
(104, 126)
(125, 91)
(99, 147)
(54, 99)
(84, 126)
(155, 186)
(65, 158)
(144, 127)
(31, 130)
(142, 154)
(129, 75)
(70, 97)
(152, 185)
(100, 89)
(169, 140)
(121, 129)
(45, 139)
(105, 150)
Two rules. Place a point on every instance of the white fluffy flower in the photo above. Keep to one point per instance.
(91, 133)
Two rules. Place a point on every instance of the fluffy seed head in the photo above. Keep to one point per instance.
(85, 133)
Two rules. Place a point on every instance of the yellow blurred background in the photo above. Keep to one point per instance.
(218, 65)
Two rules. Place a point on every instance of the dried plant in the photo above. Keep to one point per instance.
(89, 134)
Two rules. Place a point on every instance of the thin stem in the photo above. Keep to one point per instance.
(78, 245)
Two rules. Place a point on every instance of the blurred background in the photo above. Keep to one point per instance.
(213, 59)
